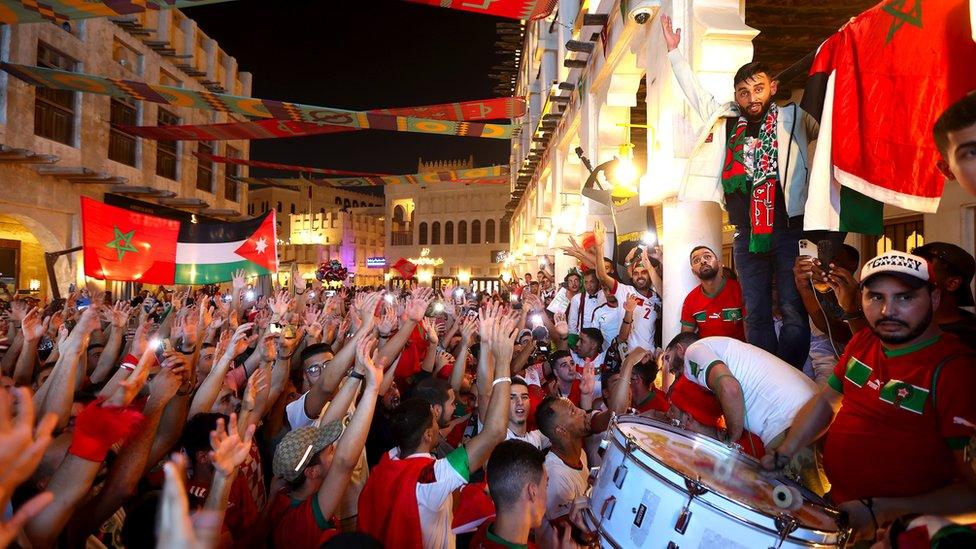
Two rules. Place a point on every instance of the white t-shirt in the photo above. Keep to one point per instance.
(535, 438)
(608, 320)
(773, 390)
(642, 331)
(565, 486)
(590, 304)
(434, 499)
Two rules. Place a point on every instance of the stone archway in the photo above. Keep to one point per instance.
(36, 238)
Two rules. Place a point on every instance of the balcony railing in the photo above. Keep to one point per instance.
(401, 238)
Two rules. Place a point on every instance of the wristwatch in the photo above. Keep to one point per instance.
(356, 375)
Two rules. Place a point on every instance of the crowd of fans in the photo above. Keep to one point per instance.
(415, 417)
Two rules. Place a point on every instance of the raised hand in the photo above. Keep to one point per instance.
(269, 347)
(118, 315)
(366, 358)
(175, 528)
(442, 359)
(561, 326)
(599, 234)
(430, 329)
(388, 322)
(239, 280)
(630, 304)
(21, 444)
(588, 381)
(417, 304)
(230, 450)
(469, 326)
(846, 288)
(256, 385)
(32, 325)
(175, 371)
(672, 37)
(279, 304)
(238, 343)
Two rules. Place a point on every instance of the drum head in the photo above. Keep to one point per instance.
(721, 469)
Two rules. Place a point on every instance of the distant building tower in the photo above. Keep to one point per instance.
(444, 165)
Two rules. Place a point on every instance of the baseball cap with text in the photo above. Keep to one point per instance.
(911, 269)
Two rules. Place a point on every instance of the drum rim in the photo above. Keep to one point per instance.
(634, 418)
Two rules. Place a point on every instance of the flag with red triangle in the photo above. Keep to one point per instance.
(120, 244)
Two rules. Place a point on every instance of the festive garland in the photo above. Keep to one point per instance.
(333, 271)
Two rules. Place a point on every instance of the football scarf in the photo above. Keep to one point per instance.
(752, 166)
(248, 106)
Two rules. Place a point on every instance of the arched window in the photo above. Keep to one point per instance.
(338, 201)
(345, 203)
(435, 233)
(322, 210)
(476, 232)
(504, 231)
(490, 231)
(355, 203)
(462, 232)
(279, 206)
(449, 232)
(292, 208)
(422, 237)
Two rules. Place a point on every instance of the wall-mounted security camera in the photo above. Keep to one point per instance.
(643, 10)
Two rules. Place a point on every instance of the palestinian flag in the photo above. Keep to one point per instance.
(121, 244)
(877, 86)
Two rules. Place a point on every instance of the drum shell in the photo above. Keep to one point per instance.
(636, 501)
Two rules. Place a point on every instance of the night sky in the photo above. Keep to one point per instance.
(358, 55)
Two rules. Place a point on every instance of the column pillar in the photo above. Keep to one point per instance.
(687, 224)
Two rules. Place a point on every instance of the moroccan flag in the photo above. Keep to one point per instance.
(120, 244)
(877, 87)
(406, 268)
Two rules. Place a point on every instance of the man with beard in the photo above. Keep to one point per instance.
(751, 157)
(443, 401)
(894, 411)
(644, 315)
(715, 307)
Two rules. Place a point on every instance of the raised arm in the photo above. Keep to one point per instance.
(57, 393)
(469, 326)
(350, 445)
(33, 328)
(599, 237)
(118, 316)
(207, 392)
(496, 419)
(699, 99)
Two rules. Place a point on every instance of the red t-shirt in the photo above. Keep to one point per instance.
(655, 400)
(484, 538)
(895, 434)
(716, 315)
(703, 406)
(299, 523)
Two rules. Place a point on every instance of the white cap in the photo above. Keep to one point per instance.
(912, 269)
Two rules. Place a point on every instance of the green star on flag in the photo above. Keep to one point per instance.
(123, 242)
(911, 16)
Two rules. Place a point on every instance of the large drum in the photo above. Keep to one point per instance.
(664, 487)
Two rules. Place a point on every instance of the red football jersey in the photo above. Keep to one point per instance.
(721, 314)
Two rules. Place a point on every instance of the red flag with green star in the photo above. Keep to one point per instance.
(120, 244)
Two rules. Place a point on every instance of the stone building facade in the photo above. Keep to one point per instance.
(57, 146)
(459, 226)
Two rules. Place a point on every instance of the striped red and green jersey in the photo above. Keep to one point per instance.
(720, 314)
(896, 430)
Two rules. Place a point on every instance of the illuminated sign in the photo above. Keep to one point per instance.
(499, 256)
(376, 262)
(425, 259)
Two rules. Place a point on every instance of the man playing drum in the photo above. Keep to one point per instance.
(758, 392)
(895, 410)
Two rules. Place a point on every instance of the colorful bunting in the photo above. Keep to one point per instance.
(248, 106)
(59, 11)
(487, 176)
(510, 9)
(274, 166)
(487, 109)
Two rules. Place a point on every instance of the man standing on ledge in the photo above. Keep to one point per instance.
(751, 157)
(893, 414)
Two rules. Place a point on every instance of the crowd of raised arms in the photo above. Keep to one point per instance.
(409, 417)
